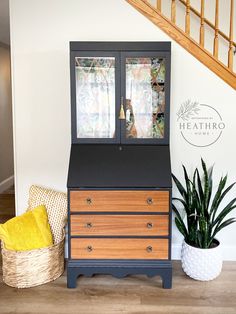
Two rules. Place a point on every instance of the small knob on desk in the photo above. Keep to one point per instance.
(89, 248)
(149, 249)
(149, 225)
(149, 200)
(89, 201)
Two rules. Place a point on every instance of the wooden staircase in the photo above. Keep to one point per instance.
(153, 11)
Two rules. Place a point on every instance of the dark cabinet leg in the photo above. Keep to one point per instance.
(71, 278)
(167, 279)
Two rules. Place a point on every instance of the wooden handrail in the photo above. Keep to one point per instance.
(186, 41)
(159, 5)
(202, 31)
(207, 22)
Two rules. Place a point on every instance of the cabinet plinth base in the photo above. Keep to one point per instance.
(119, 269)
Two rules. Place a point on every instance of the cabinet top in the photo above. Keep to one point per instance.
(120, 46)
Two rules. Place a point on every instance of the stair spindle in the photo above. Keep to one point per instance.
(231, 47)
(216, 39)
(173, 11)
(187, 18)
(159, 5)
(202, 30)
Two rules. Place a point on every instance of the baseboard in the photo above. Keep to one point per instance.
(228, 252)
(6, 184)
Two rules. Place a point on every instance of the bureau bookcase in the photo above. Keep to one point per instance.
(119, 178)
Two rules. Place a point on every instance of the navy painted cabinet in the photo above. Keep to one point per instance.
(119, 178)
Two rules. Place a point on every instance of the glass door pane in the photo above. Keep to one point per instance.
(95, 80)
(145, 82)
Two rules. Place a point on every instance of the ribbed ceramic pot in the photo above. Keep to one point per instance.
(201, 264)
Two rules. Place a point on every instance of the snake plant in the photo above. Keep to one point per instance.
(205, 216)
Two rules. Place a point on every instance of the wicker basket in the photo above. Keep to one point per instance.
(25, 269)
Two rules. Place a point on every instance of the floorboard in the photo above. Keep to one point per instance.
(132, 295)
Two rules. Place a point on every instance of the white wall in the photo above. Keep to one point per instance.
(6, 140)
(40, 35)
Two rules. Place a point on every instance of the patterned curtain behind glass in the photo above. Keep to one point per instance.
(95, 97)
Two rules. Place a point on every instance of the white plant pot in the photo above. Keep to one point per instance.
(201, 264)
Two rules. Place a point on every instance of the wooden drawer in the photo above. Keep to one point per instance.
(119, 248)
(119, 201)
(143, 225)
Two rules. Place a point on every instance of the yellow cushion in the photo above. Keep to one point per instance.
(28, 231)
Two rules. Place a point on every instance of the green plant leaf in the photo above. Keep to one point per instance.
(199, 239)
(177, 213)
(180, 187)
(199, 185)
(210, 181)
(203, 226)
(215, 202)
(181, 227)
(182, 202)
(206, 187)
(187, 183)
(223, 225)
(195, 197)
(192, 235)
(200, 202)
(224, 212)
(220, 199)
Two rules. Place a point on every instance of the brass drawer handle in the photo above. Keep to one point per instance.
(89, 248)
(88, 225)
(89, 201)
(149, 225)
(149, 249)
(149, 200)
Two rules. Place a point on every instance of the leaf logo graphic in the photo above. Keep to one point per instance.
(187, 110)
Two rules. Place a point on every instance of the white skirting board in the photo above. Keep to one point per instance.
(6, 184)
(228, 252)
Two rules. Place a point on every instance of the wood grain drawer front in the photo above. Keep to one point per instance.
(116, 225)
(119, 201)
(119, 248)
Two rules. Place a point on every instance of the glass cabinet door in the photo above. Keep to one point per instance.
(144, 87)
(120, 97)
(96, 95)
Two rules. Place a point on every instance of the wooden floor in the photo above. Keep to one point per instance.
(131, 295)
(7, 205)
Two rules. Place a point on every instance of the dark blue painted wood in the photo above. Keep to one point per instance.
(106, 166)
(119, 50)
(119, 269)
(140, 166)
(120, 45)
